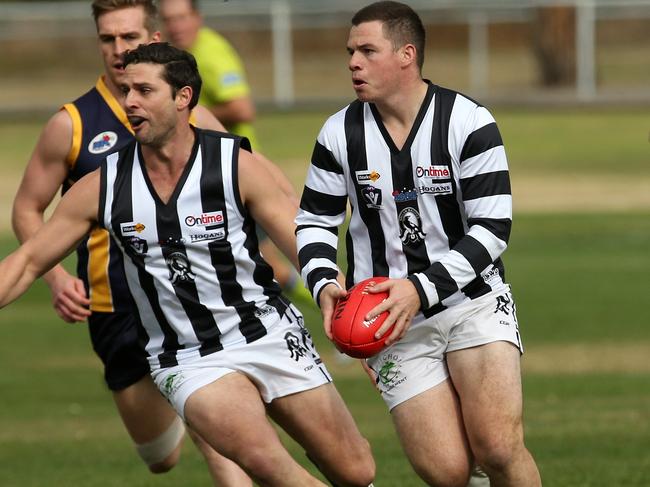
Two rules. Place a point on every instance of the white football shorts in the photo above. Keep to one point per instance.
(417, 362)
(282, 362)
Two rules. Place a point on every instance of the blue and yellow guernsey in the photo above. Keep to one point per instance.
(100, 127)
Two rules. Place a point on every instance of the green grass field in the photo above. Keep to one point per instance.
(580, 278)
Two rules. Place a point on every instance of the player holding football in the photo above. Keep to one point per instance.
(425, 172)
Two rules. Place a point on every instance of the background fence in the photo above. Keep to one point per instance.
(294, 50)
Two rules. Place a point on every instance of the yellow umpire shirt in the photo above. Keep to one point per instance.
(223, 76)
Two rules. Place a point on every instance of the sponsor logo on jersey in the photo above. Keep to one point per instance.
(179, 267)
(405, 195)
(102, 142)
(372, 196)
(219, 234)
(410, 227)
(433, 172)
(264, 311)
(212, 218)
(436, 188)
(367, 177)
(131, 228)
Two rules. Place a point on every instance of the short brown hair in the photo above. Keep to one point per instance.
(100, 7)
(401, 25)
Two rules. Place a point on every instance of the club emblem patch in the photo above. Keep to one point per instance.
(179, 268)
(410, 227)
(372, 196)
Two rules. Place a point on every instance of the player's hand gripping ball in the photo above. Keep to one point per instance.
(351, 333)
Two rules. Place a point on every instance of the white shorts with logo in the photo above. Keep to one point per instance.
(417, 362)
(282, 362)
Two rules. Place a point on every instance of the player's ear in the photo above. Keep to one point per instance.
(156, 36)
(183, 97)
(408, 54)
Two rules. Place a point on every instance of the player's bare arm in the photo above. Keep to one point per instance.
(206, 120)
(73, 218)
(271, 208)
(239, 110)
(44, 174)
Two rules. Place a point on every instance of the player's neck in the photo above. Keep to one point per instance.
(399, 111)
(112, 87)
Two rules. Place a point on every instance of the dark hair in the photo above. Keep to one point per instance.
(100, 7)
(180, 66)
(401, 25)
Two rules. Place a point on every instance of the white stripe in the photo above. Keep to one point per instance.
(317, 264)
(486, 162)
(319, 285)
(304, 217)
(459, 268)
(499, 206)
(429, 290)
(311, 235)
(327, 182)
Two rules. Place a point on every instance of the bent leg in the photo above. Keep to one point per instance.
(151, 423)
(230, 416)
(431, 431)
(320, 422)
(488, 381)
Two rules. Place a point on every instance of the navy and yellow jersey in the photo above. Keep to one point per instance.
(100, 127)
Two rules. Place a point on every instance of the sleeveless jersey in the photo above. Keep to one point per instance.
(438, 211)
(192, 264)
(99, 127)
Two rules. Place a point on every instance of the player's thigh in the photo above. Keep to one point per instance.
(230, 415)
(327, 428)
(144, 411)
(431, 431)
(488, 381)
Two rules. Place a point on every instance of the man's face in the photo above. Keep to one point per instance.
(182, 24)
(374, 63)
(148, 102)
(119, 31)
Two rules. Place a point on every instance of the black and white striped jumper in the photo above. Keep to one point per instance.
(193, 263)
(438, 211)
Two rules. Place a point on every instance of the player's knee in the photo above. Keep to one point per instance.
(362, 468)
(162, 453)
(496, 453)
(447, 474)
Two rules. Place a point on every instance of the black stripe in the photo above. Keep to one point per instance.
(476, 288)
(316, 250)
(318, 203)
(475, 253)
(485, 138)
(122, 211)
(323, 158)
(499, 227)
(451, 216)
(440, 277)
(483, 185)
(357, 161)
(170, 236)
(221, 253)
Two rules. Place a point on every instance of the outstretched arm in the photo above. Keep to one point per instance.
(72, 220)
(44, 174)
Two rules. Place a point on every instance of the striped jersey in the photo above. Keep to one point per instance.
(438, 211)
(192, 264)
(99, 127)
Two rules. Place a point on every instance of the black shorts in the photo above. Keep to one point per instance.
(116, 341)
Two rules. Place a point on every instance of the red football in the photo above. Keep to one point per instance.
(352, 334)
